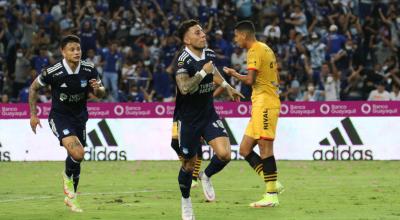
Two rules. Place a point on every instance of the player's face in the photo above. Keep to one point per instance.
(72, 52)
(196, 37)
(240, 38)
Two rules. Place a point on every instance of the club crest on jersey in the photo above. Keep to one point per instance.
(83, 83)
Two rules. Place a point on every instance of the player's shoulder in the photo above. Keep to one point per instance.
(184, 59)
(86, 63)
(209, 53)
(260, 48)
(87, 66)
(54, 68)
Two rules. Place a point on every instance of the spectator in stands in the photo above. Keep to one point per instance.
(298, 20)
(88, 38)
(41, 60)
(395, 94)
(334, 41)
(312, 94)
(317, 52)
(162, 84)
(379, 94)
(111, 60)
(22, 68)
(4, 98)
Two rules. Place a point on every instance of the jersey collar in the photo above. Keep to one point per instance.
(69, 71)
(203, 54)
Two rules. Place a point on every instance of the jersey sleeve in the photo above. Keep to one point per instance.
(94, 74)
(44, 78)
(181, 67)
(253, 60)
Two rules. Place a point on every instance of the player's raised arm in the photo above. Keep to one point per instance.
(188, 84)
(33, 96)
(248, 79)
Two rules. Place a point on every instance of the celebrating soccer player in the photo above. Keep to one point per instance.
(196, 117)
(264, 77)
(70, 80)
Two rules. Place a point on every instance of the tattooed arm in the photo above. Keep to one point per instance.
(188, 84)
(33, 96)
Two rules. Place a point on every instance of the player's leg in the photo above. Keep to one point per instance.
(246, 150)
(189, 141)
(197, 165)
(175, 141)
(73, 169)
(216, 136)
(266, 130)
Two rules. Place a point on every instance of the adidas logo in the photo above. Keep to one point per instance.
(100, 152)
(4, 155)
(64, 85)
(208, 152)
(342, 150)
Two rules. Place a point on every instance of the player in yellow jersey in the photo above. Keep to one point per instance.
(264, 78)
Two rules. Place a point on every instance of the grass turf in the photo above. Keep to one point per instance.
(149, 190)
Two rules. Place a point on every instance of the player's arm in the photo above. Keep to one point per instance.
(98, 89)
(248, 79)
(233, 93)
(33, 96)
(187, 84)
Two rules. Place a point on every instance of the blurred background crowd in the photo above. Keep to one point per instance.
(326, 50)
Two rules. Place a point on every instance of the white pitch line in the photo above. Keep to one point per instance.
(104, 193)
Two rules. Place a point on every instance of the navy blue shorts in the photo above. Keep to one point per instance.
(189, 135)
(64, 126)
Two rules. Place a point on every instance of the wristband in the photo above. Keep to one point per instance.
(224, 84)
(202, 73)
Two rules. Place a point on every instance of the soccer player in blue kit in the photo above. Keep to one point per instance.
(70, 80)
(195, 113)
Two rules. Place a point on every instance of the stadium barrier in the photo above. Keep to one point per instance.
(142, 131)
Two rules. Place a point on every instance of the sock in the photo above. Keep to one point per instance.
(73, 169)
(215, 166)
(270, 174)
(175, 146)
(196, 168)
(255, 162)
(185, 182)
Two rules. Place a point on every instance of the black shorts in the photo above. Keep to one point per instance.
(64, 126)
(190, 134)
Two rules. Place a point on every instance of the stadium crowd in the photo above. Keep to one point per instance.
(326, 50)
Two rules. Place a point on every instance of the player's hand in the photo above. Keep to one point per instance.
(230, 71)
(209, 67)
(35, 121)
(94, 83)
(234, 94)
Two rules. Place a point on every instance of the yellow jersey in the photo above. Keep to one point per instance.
(262, 59)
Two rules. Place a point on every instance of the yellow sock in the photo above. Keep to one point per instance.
(270, 183)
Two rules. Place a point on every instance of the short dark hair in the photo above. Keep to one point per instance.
(68, 39)
(184, 27)
(245, 26)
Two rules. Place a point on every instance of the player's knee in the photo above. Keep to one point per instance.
(266, 152)
(188, 165)
(244, 152)
(78, 154)
(226, 157)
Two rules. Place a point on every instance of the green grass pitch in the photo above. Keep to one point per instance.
(149, 190)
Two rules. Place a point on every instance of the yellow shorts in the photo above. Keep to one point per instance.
(262, 124)
(174, 130)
